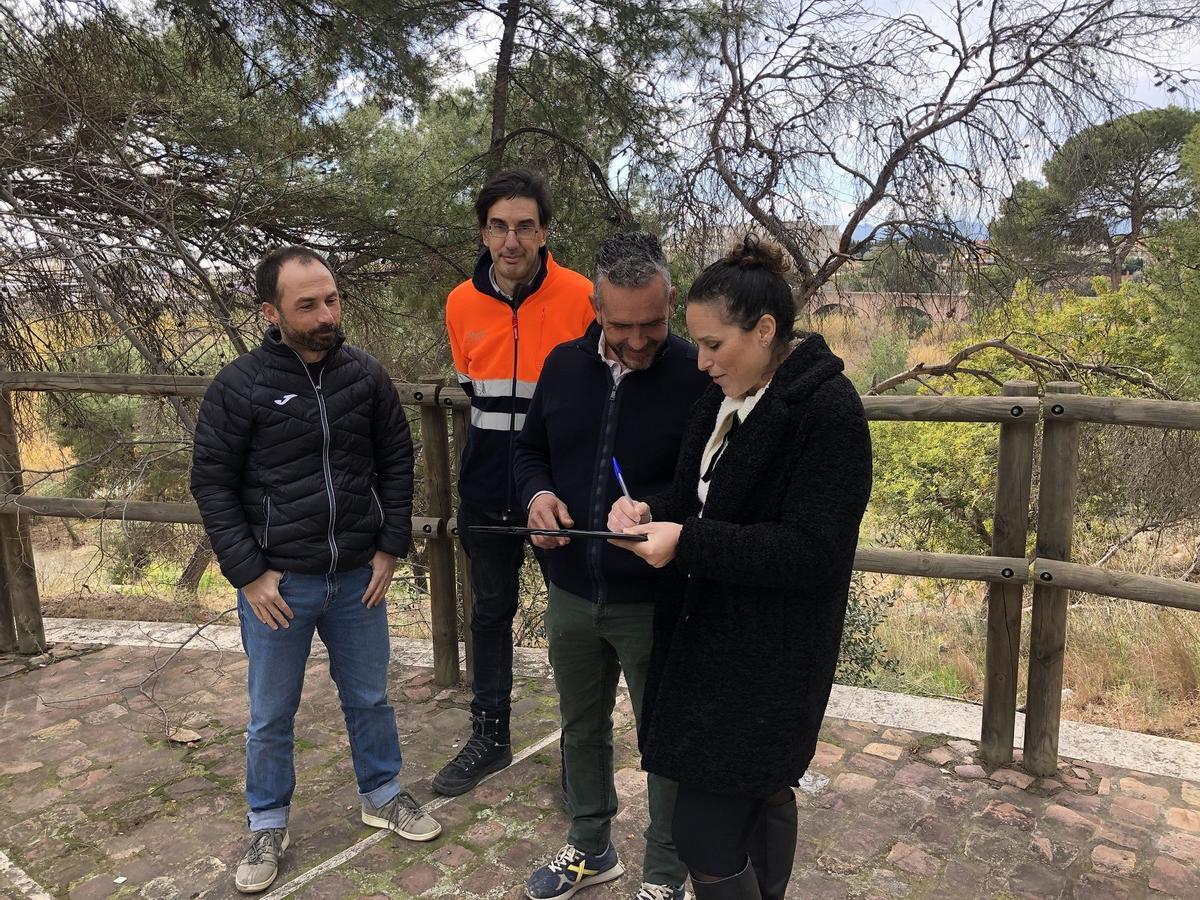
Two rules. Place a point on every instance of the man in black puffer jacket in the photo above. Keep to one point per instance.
(302, 470)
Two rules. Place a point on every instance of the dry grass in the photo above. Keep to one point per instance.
(39, 452)
(76, 582)
(1134, 666)
(1127, 665)
(847, 336)
(931, 347)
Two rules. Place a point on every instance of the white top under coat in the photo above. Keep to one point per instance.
(730, 406)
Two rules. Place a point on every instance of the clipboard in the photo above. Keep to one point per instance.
(557, 532)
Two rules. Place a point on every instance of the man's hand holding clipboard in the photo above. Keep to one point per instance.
(548, 514)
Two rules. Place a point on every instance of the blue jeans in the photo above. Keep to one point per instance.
(357, 640)
(496, 561)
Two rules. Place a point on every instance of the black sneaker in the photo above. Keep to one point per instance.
(479, 757)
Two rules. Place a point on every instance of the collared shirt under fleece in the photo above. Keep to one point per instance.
(499, 347)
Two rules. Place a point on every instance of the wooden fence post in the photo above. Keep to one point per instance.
(8, 626)
(435, 443)
(1014, 474)
(1048, 629)
(20, 605)
(459, 416)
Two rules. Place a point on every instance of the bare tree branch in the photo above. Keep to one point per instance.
(1060, 368)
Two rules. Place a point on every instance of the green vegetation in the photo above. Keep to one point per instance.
(1108, 188)
(864, 658)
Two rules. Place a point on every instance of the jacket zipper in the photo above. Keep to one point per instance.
(600, 479)
(328, 471)
(379, 506)
(266, 538)
(512, 416)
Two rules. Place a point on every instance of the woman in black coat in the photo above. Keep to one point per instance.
(763, 516)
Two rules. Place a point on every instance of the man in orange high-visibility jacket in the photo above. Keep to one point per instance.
(503, 322)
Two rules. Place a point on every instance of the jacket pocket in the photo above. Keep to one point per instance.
(266, 535)
(378, 506)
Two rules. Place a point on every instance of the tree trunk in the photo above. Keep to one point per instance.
(76, 540)
(189, 581)
(512, 14)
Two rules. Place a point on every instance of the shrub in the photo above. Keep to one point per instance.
(863, 657)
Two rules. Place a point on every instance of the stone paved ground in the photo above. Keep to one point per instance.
(97, 801)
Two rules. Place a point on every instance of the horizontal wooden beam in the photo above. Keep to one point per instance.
(950, 409)
(417, 394)
(1123, 411)
(1108, 410)
(1126, 585)
(454, 397)
(941, 409)
(145, 511)
(958, 566)
(898, 409)
(160, 385)
(105, 383)
(1002, 569)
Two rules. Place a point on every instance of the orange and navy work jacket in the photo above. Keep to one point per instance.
(499, 347)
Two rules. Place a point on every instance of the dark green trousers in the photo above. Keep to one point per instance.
(590, 645)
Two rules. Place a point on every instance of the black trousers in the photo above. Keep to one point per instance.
(712, 831)
(496, 561)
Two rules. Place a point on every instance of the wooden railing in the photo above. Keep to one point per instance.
(20, 607)
(1007, 571)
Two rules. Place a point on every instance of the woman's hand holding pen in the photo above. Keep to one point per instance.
(626, 513)
(631, 516)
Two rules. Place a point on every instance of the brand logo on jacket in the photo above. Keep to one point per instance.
(284, 399)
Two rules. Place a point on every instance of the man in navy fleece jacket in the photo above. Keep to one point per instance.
(623, 390)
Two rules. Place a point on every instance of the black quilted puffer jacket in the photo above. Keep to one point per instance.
(298, 468)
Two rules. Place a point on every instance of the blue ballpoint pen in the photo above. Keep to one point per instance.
(621, 480)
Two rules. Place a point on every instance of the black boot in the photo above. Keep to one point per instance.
(488, 750)
(773, 847)
(742, 886)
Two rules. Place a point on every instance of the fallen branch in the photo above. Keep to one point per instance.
(1061, 369)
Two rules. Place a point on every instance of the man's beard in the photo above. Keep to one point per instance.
(646, 354)
(317, 339)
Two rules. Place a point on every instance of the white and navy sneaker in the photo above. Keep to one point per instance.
(571, 870)
(650, 891)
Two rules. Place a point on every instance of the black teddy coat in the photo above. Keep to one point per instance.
(743, 663)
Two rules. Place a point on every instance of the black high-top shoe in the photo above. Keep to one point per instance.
(488, 750)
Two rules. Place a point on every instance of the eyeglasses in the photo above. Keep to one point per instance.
(499, 231)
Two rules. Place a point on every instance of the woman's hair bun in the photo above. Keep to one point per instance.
(755, 253)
